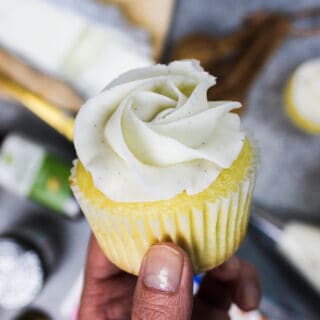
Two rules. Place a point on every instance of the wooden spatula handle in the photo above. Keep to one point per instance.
(55, 91)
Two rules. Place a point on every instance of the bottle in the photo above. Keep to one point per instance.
(29, 170)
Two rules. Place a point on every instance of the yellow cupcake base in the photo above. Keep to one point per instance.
(209, 226)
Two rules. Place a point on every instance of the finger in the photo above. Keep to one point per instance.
(203, 310)
(228, 271)
(216, 287)
(164, 288)
(98, 266)
(108, 291)
(214, 293)
(247, 289)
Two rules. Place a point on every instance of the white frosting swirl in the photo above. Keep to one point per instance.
(152, 134)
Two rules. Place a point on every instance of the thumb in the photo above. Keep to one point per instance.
(164, 287)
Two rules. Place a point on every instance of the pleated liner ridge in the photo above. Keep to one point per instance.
(209, 236)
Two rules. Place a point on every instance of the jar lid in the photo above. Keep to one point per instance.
(32, 314)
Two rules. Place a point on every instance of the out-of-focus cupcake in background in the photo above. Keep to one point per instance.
(302, 96)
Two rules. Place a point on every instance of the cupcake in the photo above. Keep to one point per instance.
(302, 96)
(157, 162)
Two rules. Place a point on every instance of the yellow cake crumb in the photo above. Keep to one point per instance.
(227, 181)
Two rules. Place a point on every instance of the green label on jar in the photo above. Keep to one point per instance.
(51, 186)
(28, 170)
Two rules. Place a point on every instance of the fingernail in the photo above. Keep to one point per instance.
(162, 268)
(250, 295)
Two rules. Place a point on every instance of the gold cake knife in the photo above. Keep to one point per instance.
(48, 112)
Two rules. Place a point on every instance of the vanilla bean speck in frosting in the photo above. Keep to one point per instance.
(152, 134)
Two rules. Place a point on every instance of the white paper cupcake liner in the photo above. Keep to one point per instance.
(209, 236)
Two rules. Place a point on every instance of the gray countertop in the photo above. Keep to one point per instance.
(289, 175)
